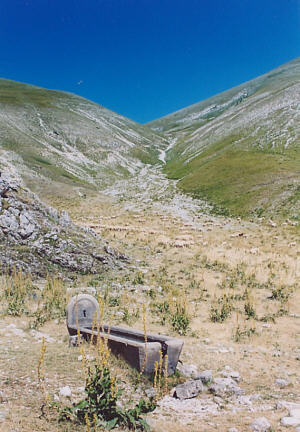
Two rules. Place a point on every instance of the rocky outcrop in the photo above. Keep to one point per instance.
(39, 239)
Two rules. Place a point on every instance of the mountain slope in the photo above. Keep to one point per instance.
(52, 136)
(241, 148)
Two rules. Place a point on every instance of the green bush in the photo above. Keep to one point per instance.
(100, 407)
(180, 321)
(220, 314)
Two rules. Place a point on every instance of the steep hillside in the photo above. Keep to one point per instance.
(48, 136)
(40, 240)
(241, 149)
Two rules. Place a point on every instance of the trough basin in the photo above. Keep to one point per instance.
(83, 315)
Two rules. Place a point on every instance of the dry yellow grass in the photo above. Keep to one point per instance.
(219, 257)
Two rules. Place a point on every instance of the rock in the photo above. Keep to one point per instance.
(272, 224)
(188, 390)
(87, 357)
(116, 254)
(260, 424)
(8, 222)
(235, 375)
(38, 239)
(64, 218)
(2, 416)
(219, 401)
(231, 374)
(183, 411)
(27, 227)
(233, 429)
(295, 412)
(282, 404)
(150, 392)
(12, 328)
(40, 335)
(189, 371)
(281, 382)
(290, 421)
(73, 340)
(65, 391)
(225, 387)
(206, 376)
(2, 397)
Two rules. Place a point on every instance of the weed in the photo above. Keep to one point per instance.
(139, 279)
(249, 310)
(180, 320)
(220, 314)
(52, 303)
(114, 301)
(281, 294)
(100, 405)
(242, 333)
(16, 291)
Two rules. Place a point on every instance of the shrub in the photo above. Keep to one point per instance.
(220, 314)
(17, 288)
(281, 294)
(179, 320)
(249, 310)
(100, 407)
(241, 334)
(52, 303)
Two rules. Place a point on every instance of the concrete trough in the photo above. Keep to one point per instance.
(83, 312)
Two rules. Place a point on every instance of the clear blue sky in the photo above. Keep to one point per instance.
(145, 58)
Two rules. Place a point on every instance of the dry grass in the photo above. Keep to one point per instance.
(245, 262)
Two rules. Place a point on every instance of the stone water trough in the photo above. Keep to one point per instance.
(83, 311)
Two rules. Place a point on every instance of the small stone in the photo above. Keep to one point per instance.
(73, 340)
(189, 371)
(225, 386)
(150, 392)
(233, 429)
(235, 375)
(295, 412)
(281, 383)
(2, 416)
(205, 376)
(2, 397)
(218, 400)
(65, 391)
(260, 424)
(88, 357)
(290, 421)
(282, 404)
(188, 390)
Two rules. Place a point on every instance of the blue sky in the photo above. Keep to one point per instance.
(145, 58)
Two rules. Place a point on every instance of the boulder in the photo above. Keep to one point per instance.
(189, 371)
(281, 382)
(188, 390)
(290, 421)
(65, 391)
(225, 387)
(260, 424)
(48, 239)
(206, 376)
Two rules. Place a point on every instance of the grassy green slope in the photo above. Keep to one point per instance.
(48, 135)
(241, 149)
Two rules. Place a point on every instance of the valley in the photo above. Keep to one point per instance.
(188, 226)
